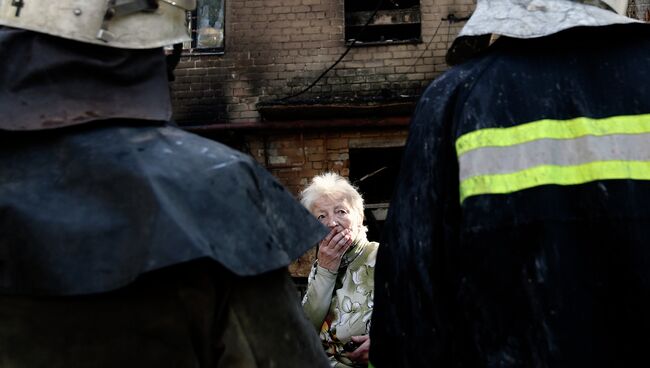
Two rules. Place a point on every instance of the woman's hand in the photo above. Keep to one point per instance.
(332, 248)
(360, 354)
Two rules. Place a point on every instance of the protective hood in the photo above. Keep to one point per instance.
(86, 209)
(69, 83)
(526, 19)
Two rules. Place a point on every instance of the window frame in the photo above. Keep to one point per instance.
(192, 46)
(355, 18)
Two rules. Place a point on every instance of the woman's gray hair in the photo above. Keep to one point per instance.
(331, 185)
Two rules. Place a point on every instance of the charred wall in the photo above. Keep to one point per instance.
(277, 48)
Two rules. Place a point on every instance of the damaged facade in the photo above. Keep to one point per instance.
(306, 86)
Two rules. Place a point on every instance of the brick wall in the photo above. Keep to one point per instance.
(294, 157)
(275, 48)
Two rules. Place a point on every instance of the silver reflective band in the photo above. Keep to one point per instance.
(556, 152)
(553, 152)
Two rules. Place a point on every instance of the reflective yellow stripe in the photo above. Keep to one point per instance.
(560, 175)
(554, 129)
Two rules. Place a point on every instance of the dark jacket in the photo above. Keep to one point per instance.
(196, 314)
(127, 242)
(518, 234)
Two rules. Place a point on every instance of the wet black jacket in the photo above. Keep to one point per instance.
(125, 241)
(518, 235)
(97, 188)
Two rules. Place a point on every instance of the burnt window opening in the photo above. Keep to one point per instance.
(396, 21)
(374, 171)
(207, 27)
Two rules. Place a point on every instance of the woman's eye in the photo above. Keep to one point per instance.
(320, 217)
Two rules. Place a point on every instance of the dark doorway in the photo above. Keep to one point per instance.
(374, 171)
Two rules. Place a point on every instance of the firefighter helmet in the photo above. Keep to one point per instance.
(531, 19)
(129, 24)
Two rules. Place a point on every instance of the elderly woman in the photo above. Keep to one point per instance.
(339, 295)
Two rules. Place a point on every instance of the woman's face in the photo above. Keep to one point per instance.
(336, 211)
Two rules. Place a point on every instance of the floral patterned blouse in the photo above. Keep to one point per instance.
(339, 304)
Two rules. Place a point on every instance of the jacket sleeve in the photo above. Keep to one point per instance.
(279, 335)
(318, 296)
(412, 321)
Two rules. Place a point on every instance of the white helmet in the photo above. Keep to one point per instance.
(531, 19)
(130, 24)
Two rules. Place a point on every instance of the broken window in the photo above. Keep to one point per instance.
(207, 26)
(374, 171)
(388, 21)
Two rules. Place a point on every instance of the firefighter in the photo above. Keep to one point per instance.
(126, 242)
(518, 235)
